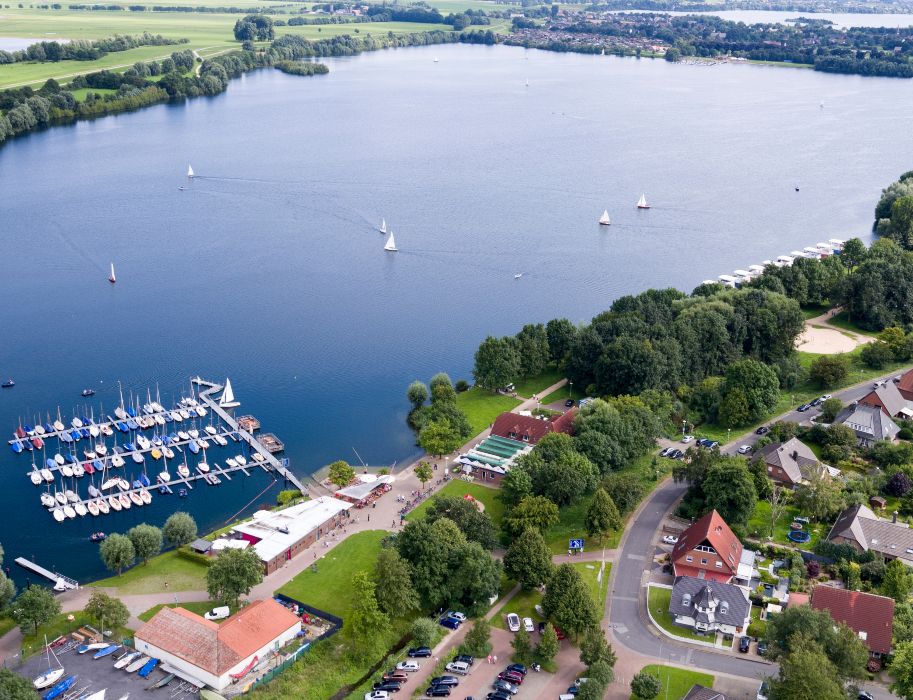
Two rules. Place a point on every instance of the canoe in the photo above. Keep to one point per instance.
(114, 502)
(138, 664)
(95, 646)
(125, 501)
(127, 660)
(147, 669)
(163, 682)
(107, 651)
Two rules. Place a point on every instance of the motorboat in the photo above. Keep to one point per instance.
(258, 457)
(220, 441)
(241, 460)
(203, 468)
(230, 462)
(88, 392)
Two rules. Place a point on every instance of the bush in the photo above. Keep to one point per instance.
(757, 629)
(876, 355)
(899, 485)
(287, 496)
(461, 386)
(813, 569)
(645, 685)
(424, 632)
(827, 370)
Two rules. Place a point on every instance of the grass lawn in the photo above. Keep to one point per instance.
(59, 625)
(6, 624)
(589, 572)
(843, 322)
(563, 394)
(533, 385)
(457, 487)
(570, 525)
(759, 526)
(658, 601)
(482, 407)
(676, 682)
(523, 604)
(198, 607)
(82, 93)
(180, 573)
(330, 587)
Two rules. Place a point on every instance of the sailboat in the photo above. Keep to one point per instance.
(383, 226)
(112, 278)
(642, 202)
(228, 396)
(390, 245)
(52, 675)
(189, 172)
(604, 220)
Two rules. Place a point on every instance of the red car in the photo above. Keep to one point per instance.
(511, 677)
(559, 633)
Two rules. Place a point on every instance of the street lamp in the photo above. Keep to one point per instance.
(570, 390)
(683, 427)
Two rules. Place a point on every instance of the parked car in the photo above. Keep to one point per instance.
(573, 690)
(763, 430)
(745, 449)
(864, 695)
(710, 444)
(560, 633)
(466, 659)
(670, 539)
(744, 644)
(456, 615)
(804, 407)
(396, 677)
(517, 668)
(460, 667)
(702, 442)
(762, 647)
(816, 402)
(569, 403)
(450, 623)
(506, 687)
(528, 624)
(879, 383)
(410, 666)
(513, 622)
(437, 691)
(387, 687)
(452, 681)
(419, 653)
(666, 450)
(825, 398)
(676, 454)
(498, 695)
(377, 695)
(687, 439)
(219, 613)
(511, 677)
(763, 691)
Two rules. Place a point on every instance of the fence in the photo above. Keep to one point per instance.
(273, 672)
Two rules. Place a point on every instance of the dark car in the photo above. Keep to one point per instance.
(763, 430)
(450, 623)
(569, 403)
(395, 677)
(817, 402)
(466, 659)
(804, 407)
(517, 668)
(511, 677)
(506, 687)
(762, 647)
(498, 695)
(390, 687)
(438, 691)
(573, 690)
(419, 652)
(744, 644)
(676, 454)
(445, 680)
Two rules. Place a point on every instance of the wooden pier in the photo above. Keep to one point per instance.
(69, 583)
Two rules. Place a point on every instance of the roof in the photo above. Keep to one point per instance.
(869, 616)
(513, 425)
(699, 692)
(201, 545)
(274, 531)
(217, 648)
(859, 524)
(790, 456)
(713, 530)
(364, 489)
(906, 381)
(887, 395)
(730, 602)
(868, 422)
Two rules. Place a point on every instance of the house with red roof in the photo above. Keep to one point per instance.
(905, 385)
(870, 616)
(709, 550)
(217, 654)
(530, 429)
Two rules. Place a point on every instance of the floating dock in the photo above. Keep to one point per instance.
(68, 583)
(271, 443)
(249, 423)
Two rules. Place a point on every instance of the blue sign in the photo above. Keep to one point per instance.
(285, 462)
(575, 544)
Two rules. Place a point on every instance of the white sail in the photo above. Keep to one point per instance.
(390, 245)
(604, 220)
(112, 279)
(189, 171)
(642, 202)
(228, 396)
(383, 226)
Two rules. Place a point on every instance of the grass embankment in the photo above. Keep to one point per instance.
(60, 625)
(658, 601)
(482, 407)
(843, 322)
(487, 496)
(589, 572)
(6, 624)
(676, 682)
(534, 385)
(179, 572)
(564, 393)
(199, 607)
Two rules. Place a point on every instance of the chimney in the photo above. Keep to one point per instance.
(894, 517)
(795, 454)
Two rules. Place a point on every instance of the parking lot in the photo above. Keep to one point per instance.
(97, 674)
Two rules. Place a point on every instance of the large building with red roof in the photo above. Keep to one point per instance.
(709, 550)
(870, 616)
(217, 654)
(530, 429)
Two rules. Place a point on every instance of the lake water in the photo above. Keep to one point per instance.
(269, 269)
(840, 19)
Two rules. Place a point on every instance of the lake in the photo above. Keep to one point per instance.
(269, 268)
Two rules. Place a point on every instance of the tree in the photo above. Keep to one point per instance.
(854, 253)
(395, 593)
(902, 669)
(341, 473)
(528, 560)
(625, 490)
(602, 516)
(522, 646)
(533, 349)
(548, 646)
(807, 673)
(146, 540)
(107, 611)
(777, 506)
(819, 496)
(561, 335)
(567, 601)
(423, 472)
(515, 486)
(439, 438)
(733, 410)
(233, 573)
(7, 591)
(876, 355)
(562, 478)
(830, 408)
(827, 370)
(802, 626)
(417, 393)
(117, 552)
(476, 525)
(899, 485)
(897, 582)
(15, 687)
(595, 649)
(477, 641)
(180, 529)
(533, 511)
(497, 363)
(729, 489)
(366, 620)
(645, 685)
(424, 631)
(34, 607)
(758, 383)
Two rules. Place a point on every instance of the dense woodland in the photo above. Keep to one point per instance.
(81, 50)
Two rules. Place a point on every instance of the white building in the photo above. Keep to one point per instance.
(217, 654)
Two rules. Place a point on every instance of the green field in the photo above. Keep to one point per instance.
(482, 407)
(534, 385)
(330, 587)
(676, 682)
(564, 393)
(589, 572)
(658, 601)
(484, 494)
(180, 573)
(842, 322)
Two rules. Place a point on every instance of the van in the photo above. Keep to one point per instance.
(219, 613)
(460, 667)
(567, 696)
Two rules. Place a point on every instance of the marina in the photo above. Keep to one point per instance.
(815, 252)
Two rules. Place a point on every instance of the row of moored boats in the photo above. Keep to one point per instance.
(815, 252)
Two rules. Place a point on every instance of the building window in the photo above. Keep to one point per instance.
(526, 438)
(703, 562)
(689, 558)
(512, 434)
(719, 565)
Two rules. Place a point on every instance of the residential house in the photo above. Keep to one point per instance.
(905, 385)
(709, 550)
(888, 398)
(860, 528)
(870, 616)
(708, 606)
(789, 463)
(213, 654)
(530, 429)
(870, 423)
(699, 692)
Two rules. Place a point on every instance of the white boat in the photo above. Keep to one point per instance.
(100, 695)
(60, 497)
(435, 59)
(39, 429)
(59, 459)
(114, 502)
(89, 454)
(240, 460)
(201, 412)
(383, 226)
(58, 425)
(121, 413)
(66, 470)
(390, 245)
(124, 501)
(184, 470)
(194, 433)
(159, 419)
(103, 507)
(112, 278)
(123, 484)
(143, 442)
(107, 431)
(138, 664)
(72, 496)
(604, 220)
(47, 678)
(46, 475)
(93, 507)
(220, 441)
(185, 414)
(258, 457)
(642, 202)
(190, 172)
(138, 457)
(145, 497)
(76, 423)
(204, 444)
(35, 476)
(47, 500)
(183, 435)
(164, 476)
(135, 498)
(176, 416)
(94, 431)
(60, 586)
(78, 470)
(101, 449)
(127, 660)
(68, 511)
(58, 515)
(230, 462)
(168, 452)
(211, 430)
(756, 269)
(80, 509)
(203, 467)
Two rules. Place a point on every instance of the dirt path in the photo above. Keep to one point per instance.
(823, 338)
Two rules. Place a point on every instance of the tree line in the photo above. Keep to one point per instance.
(82, 50)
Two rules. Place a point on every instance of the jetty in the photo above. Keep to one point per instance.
(67, 582)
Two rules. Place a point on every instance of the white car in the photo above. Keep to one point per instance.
(457, 615)
(670, 539)
(377, 695)
(687, 439)
(528, 624)
(410, 666)
(513, 622)
(825, 397)
(744, 449)
(219, 613)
